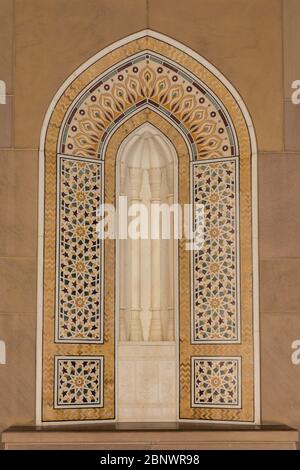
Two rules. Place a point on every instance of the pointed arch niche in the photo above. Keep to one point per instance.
(146, 330)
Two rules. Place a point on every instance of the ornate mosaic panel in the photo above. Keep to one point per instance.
(79, 293)
(149, 80)
(83, 125)
(216, 263)
(78, 381)
(216, 382)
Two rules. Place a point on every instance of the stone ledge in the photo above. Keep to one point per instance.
(163, 436)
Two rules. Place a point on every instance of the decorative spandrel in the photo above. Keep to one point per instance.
(149, 80)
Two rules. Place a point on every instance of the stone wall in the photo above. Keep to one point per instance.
(254, 44)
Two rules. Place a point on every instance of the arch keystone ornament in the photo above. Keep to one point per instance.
(148, 78)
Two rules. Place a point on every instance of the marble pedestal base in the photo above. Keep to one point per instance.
(151, 436)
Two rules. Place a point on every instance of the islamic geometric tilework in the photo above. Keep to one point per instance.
(216, 382)
(215, 263)
(79, 293)
(152, 81)
(78, 382)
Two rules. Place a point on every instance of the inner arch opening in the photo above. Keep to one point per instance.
(146, 271)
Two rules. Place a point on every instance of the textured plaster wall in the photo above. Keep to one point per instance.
(254, 43)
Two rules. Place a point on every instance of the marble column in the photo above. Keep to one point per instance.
(170, 333)
(155, 178)
(123, 316)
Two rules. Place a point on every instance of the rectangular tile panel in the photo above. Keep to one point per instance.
(215, 272)
(79, 251)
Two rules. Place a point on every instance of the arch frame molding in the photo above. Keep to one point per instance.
(242, 139)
